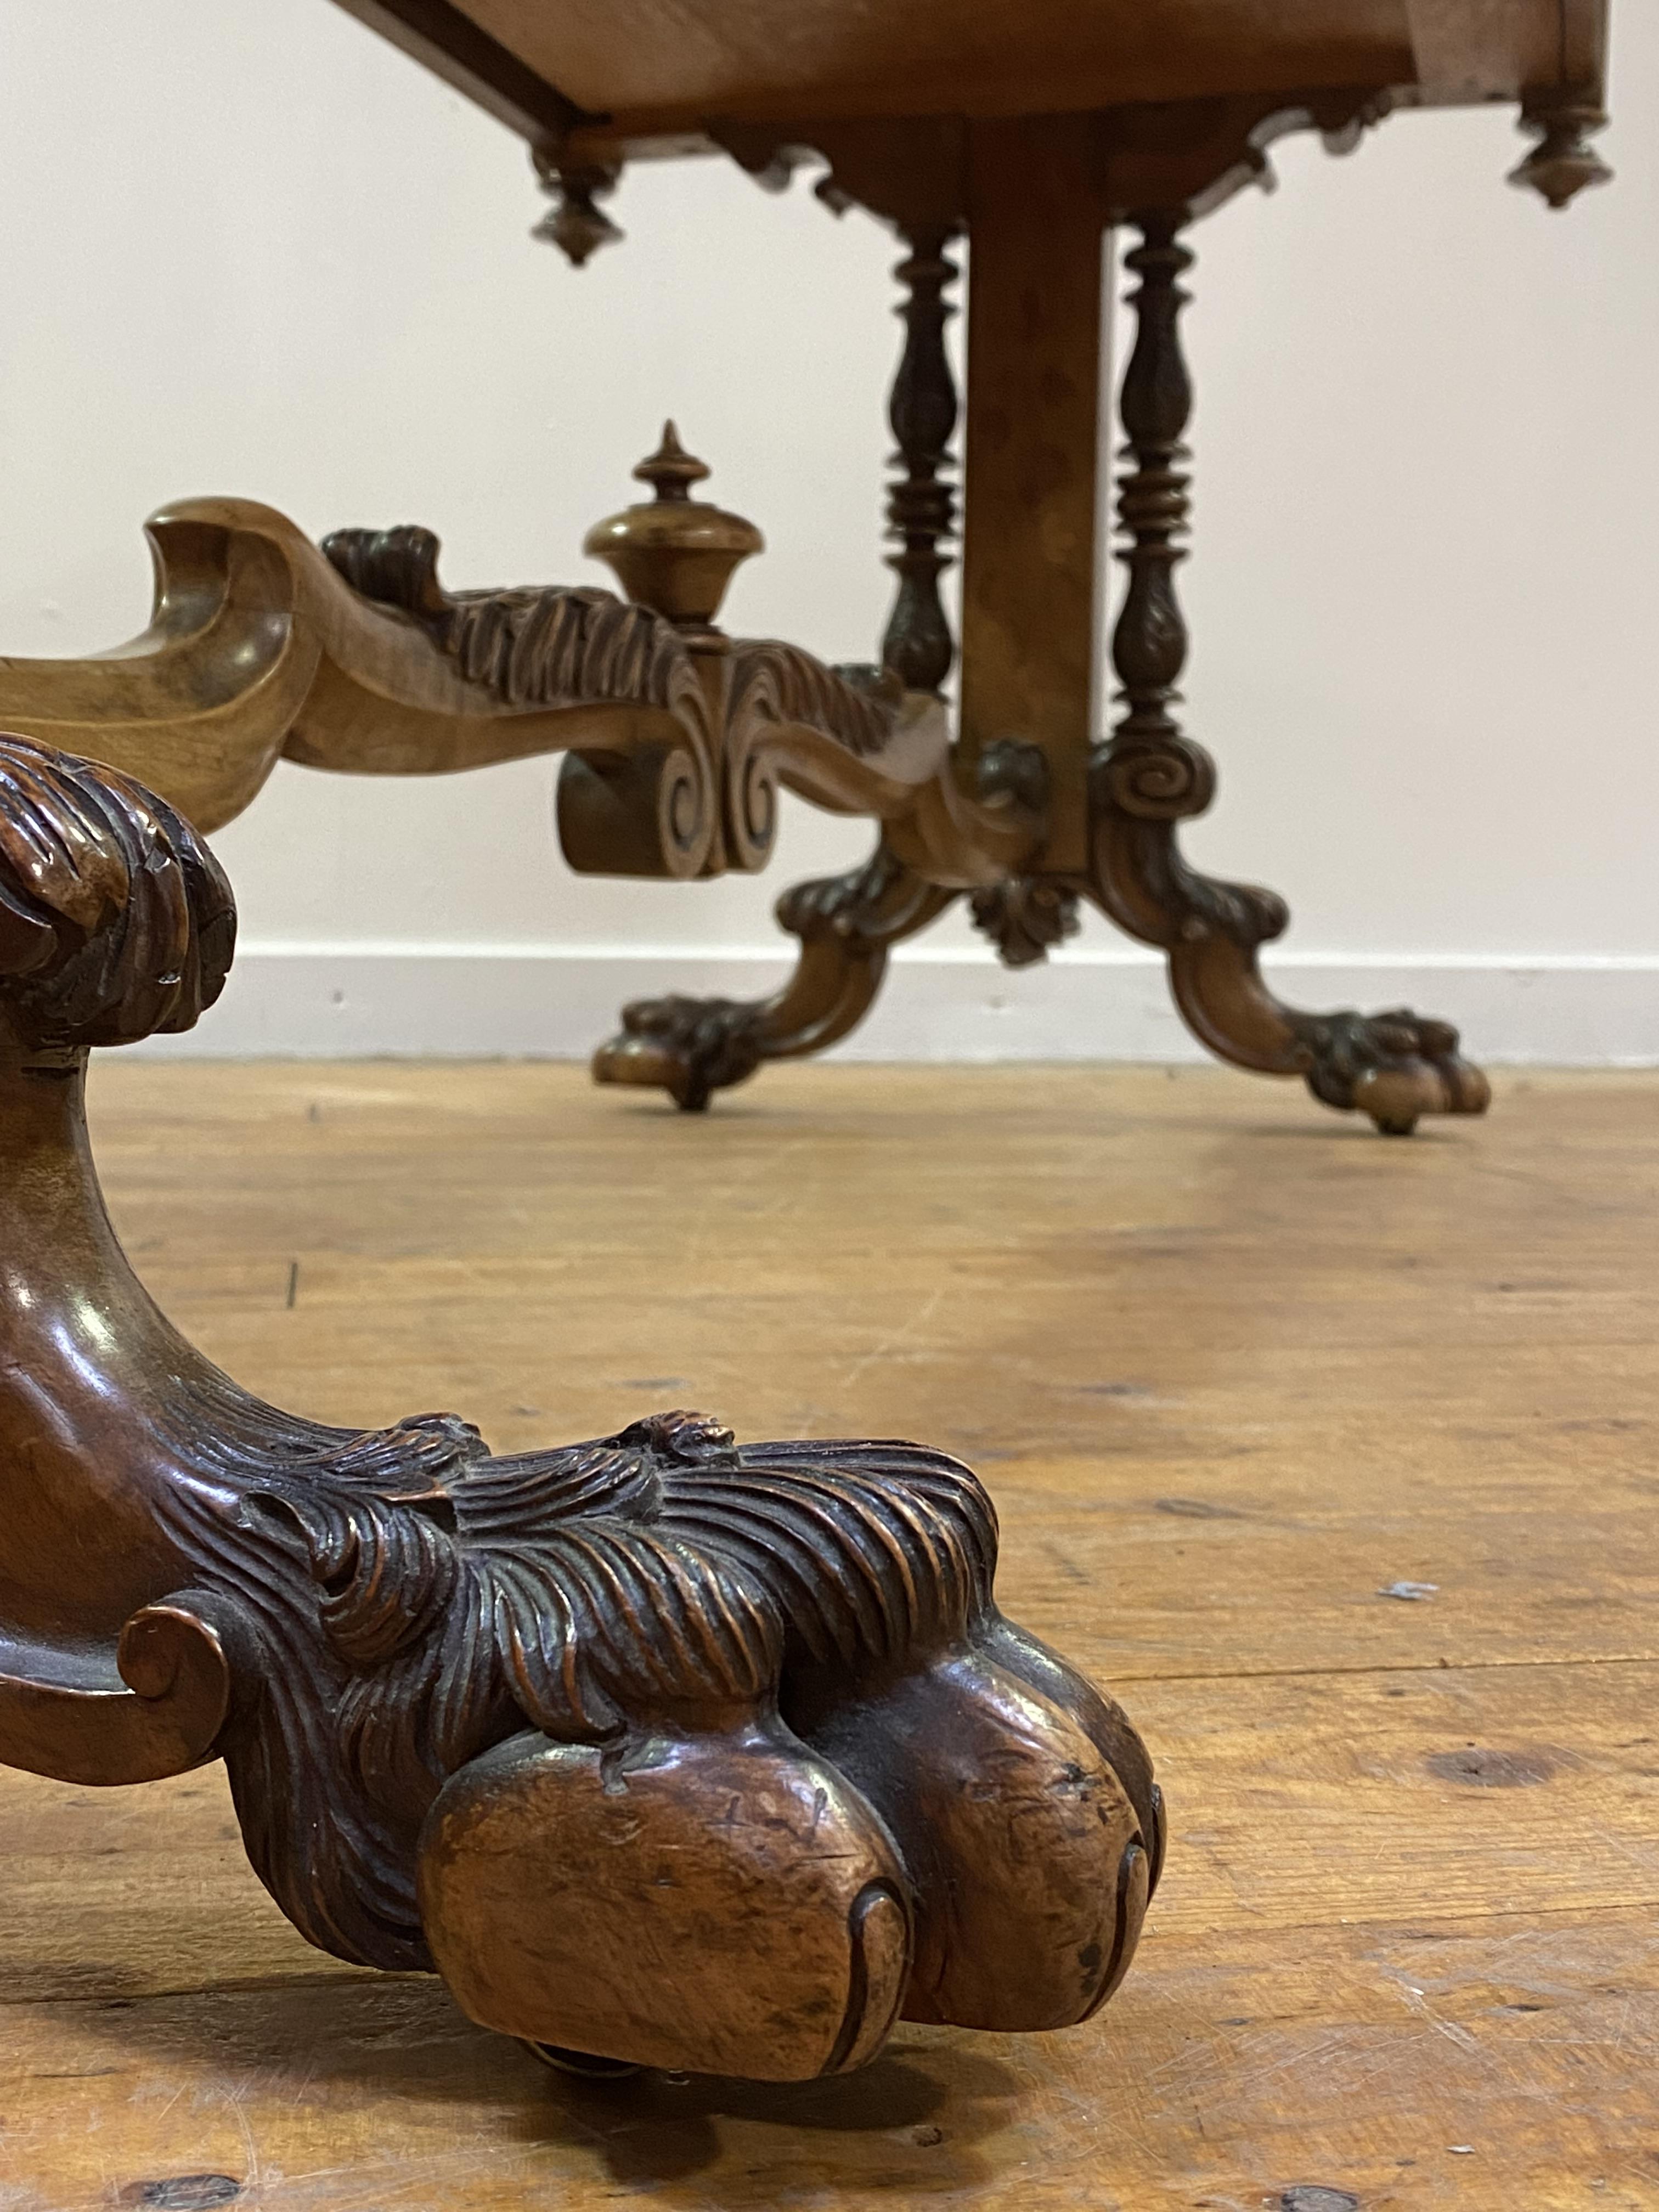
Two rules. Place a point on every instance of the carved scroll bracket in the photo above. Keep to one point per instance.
(917, 174)
(358, 659)
(638, 796)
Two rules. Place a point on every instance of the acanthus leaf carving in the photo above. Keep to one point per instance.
(746, 708)
(1026, 918)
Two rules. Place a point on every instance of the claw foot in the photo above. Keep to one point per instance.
(689, 1048)
(692, 1047)
(844, 1789)
(1395, 1067)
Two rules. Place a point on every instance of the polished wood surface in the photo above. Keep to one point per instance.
(662, 64)
(354, 657)
(1111, 811)
(1031, 584)
(1235, 1374)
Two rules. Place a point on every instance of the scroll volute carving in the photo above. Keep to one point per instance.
(675, 555)
(679, 736)
(659, 1748)
(642, 796)
(115, 922)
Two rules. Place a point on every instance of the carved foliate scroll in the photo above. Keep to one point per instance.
(360, 660)
(681, 777)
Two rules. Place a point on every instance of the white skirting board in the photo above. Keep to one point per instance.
(470, 1001)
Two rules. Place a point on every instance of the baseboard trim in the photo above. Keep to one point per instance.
(400, 1000)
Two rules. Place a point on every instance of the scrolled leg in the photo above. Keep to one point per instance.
(1394, 1067)
(663, 1750)
(846, 925)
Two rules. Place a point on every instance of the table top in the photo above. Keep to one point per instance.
(654, 67)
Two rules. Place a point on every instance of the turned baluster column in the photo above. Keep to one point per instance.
(921, 506)
(1149, 643)
(1150, 776)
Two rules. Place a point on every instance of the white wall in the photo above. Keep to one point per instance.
(252, 249)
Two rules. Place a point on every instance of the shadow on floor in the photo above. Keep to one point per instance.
(910, 2121)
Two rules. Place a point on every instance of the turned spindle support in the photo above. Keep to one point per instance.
(921, 506)
(1149, 642)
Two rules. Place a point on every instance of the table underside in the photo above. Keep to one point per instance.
(667, 66)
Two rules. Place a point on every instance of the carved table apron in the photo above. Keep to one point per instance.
(1033, 131)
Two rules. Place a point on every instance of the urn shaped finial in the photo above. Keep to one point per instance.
(674, 553)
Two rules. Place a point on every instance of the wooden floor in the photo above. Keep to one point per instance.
(1235, 1368)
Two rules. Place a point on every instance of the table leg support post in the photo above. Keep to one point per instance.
(846, 925)
(1151, 776)
(921, 505)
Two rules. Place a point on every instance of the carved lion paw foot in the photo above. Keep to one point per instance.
(689, 1048)
(846, 1789)
(662, 1750)
(1395, 1067)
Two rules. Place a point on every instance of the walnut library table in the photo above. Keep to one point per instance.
(1031, 130)
(665, 1750)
